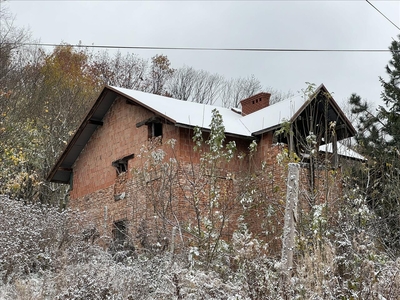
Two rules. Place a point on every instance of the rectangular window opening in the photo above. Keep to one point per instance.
(121, 165)
(120, 232)
(155, 130)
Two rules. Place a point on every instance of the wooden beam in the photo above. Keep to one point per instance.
(95, 122)
(291, 139)
(335, 152)
(342, 126)
(65, 169)
(125, 158)
(148, 121)
(131, 102)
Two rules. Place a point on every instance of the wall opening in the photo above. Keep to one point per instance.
(120, 233)
(121, 165)
(155, 130)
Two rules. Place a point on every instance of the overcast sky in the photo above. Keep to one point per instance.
(235, 24)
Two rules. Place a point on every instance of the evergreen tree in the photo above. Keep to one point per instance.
(379, 140)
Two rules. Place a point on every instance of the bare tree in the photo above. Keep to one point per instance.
(160, 72)
(278, 96)
(207, 87)
(11, 42)
(195, 86)
(195, 197)
(123, 71)
(239, 89)
(182, 82)
(11, 39)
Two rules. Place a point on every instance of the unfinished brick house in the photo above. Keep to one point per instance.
(100, 159)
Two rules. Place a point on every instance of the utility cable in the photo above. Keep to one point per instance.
(382, 14)
(207, 48)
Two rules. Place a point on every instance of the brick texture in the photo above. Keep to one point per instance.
(149, 206)
(254, 103)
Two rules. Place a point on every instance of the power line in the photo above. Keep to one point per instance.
(207, 48)
(383, 14)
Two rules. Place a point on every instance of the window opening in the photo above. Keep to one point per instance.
(121, 165)
(155, 130)
(120, 232)
(279, 138)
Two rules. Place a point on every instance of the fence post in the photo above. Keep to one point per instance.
(289, 227)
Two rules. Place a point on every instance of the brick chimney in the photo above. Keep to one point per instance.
(254, 103)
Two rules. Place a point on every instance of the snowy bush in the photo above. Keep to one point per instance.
(27, 241)
(34, 238)
(47, 254)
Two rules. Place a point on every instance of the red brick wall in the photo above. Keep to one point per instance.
(117, 138)
(95, 179)
(96, 182)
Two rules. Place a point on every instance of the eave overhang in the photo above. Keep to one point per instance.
(229, 134)
(62, 169)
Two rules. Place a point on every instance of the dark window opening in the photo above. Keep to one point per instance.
(121, 165)
(279, 138)
(155, 130)
(120, 232)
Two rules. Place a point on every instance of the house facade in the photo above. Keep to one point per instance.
(132, 167)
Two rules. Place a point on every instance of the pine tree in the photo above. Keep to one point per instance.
(379, 140)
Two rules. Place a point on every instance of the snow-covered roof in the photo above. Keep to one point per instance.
(187, 113)
(184, 114)
(195, 114)
(342, 150)
(273, 115)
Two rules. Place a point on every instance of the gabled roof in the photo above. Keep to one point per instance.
(271, 117)
(183, 114)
